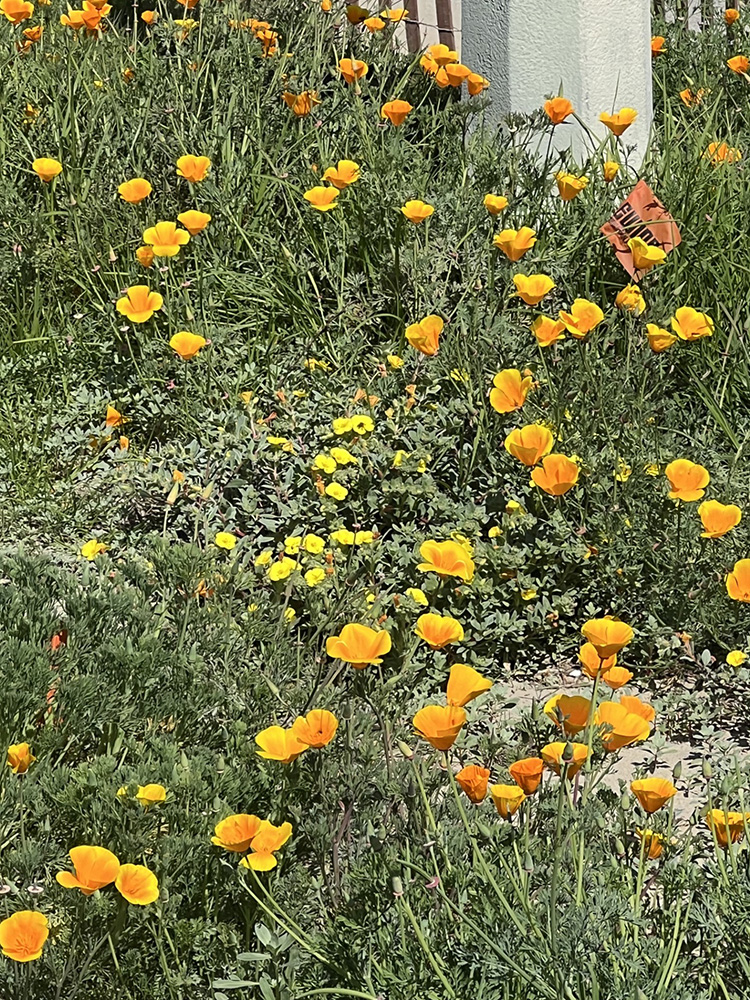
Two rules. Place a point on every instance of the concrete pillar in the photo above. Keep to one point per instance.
(598, 52)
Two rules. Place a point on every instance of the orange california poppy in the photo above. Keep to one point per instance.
(584, 316)
(359, 645)
(396, 111)
(687, 480)
(20, 758)
(547, 331)
(532, 288)
(94, 867)
(23, 934)
(571, 712)
(193, 168)
(316, 729)
(593, 665)
(510, 389)
(527, 773)
(279, 744)
(446, 559)
(269, 839)
(553, 757)
(236, 833)
(439, 631)
(137, 884)
(353, 69)
(194, 221)
(556, 475)
(187, 344)
(473, 780)
(514, 243)
(465, 684)
(652, 793)
(620, 727)
(529, 444)
(558, 109)
(440, 724)
(616, 677)
(619, 121)
(729, 827)
(135, 190)
(738, 581)
(507, 799)
(139, 303)
(607, 635)
(424, 336)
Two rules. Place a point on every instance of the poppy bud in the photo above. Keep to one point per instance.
(567, 754)
(677, 770)
(707, 769)
(625, 802)
(619, 846)
(528, 863)
(484, 830)
(406, 750)
(397, 885)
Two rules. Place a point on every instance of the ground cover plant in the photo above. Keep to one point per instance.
(328, 417)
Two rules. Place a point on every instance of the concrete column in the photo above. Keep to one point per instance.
(597, 51)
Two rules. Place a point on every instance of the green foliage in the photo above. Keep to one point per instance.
(179, 652)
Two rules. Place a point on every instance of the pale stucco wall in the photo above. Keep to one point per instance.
(599, 51)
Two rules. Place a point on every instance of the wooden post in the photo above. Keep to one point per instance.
(445, 22)
(413, 31)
